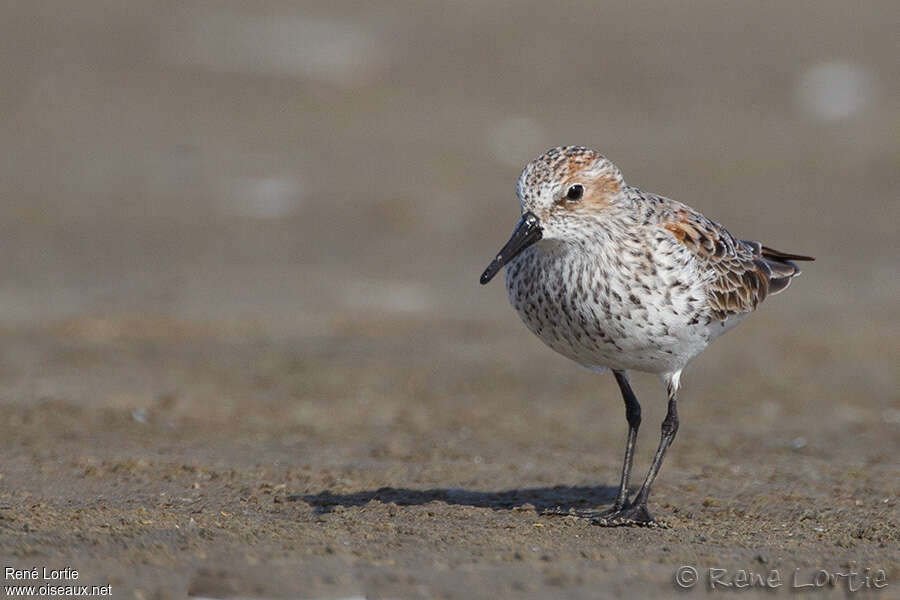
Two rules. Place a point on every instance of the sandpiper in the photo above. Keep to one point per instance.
(616, 278)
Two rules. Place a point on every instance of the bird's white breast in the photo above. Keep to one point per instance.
(624, 305)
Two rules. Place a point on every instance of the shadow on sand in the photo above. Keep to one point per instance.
(559, 498)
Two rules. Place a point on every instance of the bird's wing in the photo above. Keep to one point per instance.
(741, 273)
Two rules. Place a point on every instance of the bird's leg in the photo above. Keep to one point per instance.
(669, 429)
(636, 513)
(633, 416)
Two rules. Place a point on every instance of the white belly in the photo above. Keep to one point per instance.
(602, 311)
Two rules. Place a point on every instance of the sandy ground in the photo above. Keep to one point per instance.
(245, 355)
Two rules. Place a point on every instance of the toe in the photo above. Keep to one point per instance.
(633, 516)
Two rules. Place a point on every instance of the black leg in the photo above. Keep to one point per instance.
(636, 513)
(633, 416)
(669, 429)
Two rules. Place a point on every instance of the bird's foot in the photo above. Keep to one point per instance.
(635, 515)
(581, 513)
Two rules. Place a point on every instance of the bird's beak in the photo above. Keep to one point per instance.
(527, 231)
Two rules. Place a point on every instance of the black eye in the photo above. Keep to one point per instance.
(575, 192)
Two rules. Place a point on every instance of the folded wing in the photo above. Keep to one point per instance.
(742, 273)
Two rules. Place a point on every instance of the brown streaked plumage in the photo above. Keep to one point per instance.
(746, 272)
(613, 277)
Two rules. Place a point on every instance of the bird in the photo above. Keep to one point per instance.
(618, 279)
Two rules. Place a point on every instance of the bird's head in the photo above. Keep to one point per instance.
(559, 191)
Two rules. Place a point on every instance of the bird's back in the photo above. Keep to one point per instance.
(740, 273)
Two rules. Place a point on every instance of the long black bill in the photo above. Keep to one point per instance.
(527, 232)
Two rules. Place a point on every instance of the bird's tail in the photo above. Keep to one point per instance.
(779, 255)
(778, 265)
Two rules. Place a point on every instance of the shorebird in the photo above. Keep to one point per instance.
(619, 279)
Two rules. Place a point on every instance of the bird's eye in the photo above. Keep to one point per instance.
(575, 192)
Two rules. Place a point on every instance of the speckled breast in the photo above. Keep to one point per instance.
(605, 307)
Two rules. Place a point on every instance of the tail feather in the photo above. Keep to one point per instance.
(779, 255)
(778, 266)
(779, 285)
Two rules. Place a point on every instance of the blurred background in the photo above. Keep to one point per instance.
(298, 160)
(251, 233)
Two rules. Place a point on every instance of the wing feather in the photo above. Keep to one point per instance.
(742, 273)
